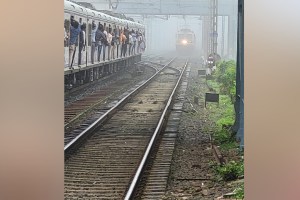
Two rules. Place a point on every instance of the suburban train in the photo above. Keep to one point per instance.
(212, 59)
(89, 19)
(185, 40)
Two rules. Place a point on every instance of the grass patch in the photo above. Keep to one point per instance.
(225, 139)
(230, 171)
(239, 192)
(213, 84)
(229, 145)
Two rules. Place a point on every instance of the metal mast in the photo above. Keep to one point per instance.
(214, 26)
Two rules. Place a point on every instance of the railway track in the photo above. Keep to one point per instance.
(154, 180)
(83, 112)
(106, 162)
(108, 89)
(79, 107)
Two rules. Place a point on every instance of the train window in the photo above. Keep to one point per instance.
(67, 30)
(90, 34)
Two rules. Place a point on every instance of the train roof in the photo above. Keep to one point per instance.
(73, 7)
(185, 30)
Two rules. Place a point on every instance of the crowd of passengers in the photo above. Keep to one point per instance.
(126, 42)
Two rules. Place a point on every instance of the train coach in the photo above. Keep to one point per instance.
(86, 18)
(185, 40)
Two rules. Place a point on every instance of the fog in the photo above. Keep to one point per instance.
(161, 33)
(161, 28)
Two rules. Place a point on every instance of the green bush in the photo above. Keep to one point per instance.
(231, 171)
(222, 136)
(225, 74)
(239, 192)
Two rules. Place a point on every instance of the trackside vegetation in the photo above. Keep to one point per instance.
(223, 82)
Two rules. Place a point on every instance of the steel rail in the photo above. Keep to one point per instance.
(99, 102)
(137, 175)
(106, 115)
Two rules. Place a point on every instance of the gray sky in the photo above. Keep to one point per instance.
(161, 33)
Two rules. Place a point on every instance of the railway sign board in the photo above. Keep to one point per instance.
(211, 97)
(202, 72)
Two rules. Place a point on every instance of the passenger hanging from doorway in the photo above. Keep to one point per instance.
(66, 35)
(104, 42)
(94, 44)
(99, 38)
(81, 42)
(143, 44)
(117, 39)
(66, 41)
(123, 44)
(130, 41)
(74, 32)
(126, 33)
(121, 41)
(133, 34)
(109, 40)
(113, 45)
(139, 39)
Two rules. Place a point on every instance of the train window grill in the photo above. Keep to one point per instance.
(67, 29)
(89, 34)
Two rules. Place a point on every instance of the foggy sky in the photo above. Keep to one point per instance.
(161, 33)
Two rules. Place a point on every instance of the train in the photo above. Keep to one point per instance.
(212, 59)
(185, 40)
(88, 18)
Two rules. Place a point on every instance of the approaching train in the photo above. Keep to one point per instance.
(212, 59)
(84, 52)
(185, 40)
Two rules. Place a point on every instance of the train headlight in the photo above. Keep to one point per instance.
(184, 42)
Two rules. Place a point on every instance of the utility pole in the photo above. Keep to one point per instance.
(223, 36)
(213, 26)
(239, 103)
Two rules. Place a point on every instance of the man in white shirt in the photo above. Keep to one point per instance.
(133, 34)
(81, 42)
(109, 39)
(103, 44)
(130, 43)
(93, 37)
